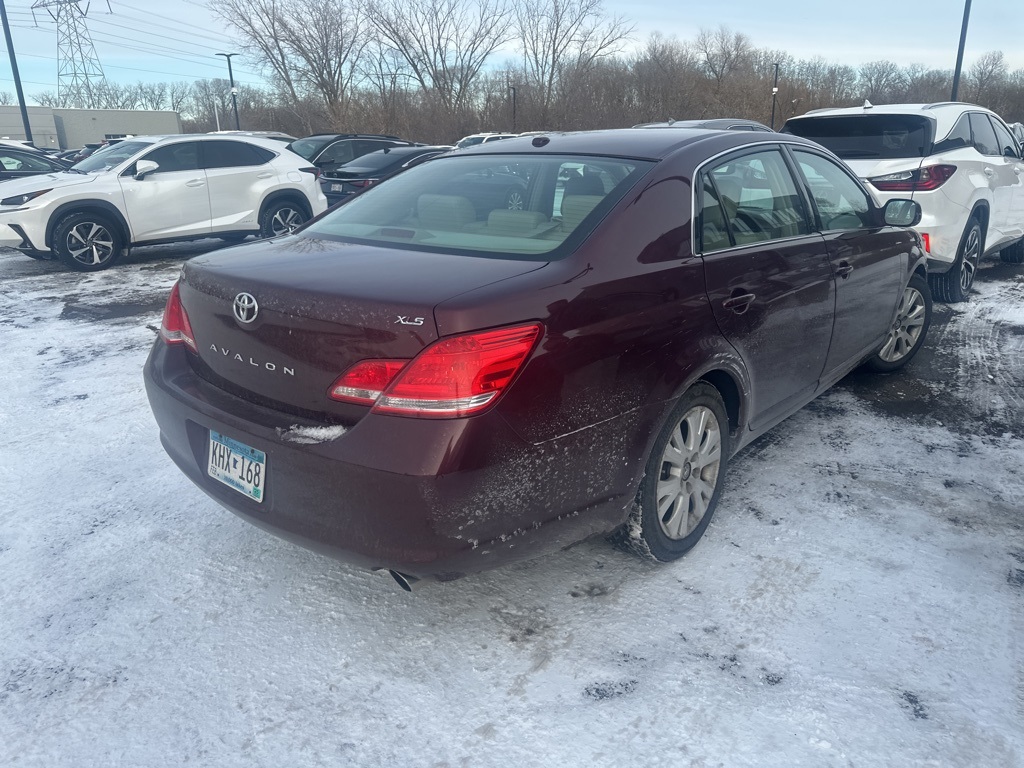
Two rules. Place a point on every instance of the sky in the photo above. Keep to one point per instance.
(856, 600)
(178, 39)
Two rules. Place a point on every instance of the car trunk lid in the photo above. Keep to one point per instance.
(278, 322)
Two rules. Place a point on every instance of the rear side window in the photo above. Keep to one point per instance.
(339, 152)
(233, 154)
(758, 199)
(958, 138)
(1007, 144)
(984, 137)
(18, 161)
(854, 137)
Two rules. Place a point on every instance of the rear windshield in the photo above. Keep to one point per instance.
(515, 206)
(853, 137)
(308, 148)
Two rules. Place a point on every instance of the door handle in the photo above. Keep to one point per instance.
(265, 175)
(195, 183)
(844, 269)
(739, 303)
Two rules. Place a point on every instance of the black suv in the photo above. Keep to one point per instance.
(329, 151)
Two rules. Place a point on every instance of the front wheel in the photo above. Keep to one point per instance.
(954, 285)
(87, 242)
(683, 478)
(908, 330)
(281, 219)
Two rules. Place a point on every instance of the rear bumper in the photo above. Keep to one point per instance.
(429, 498)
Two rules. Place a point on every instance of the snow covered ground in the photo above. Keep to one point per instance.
(858, 600)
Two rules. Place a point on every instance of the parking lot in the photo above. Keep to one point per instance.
(858, 599)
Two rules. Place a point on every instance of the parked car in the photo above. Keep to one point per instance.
(405, 384)
(482, 138)
(719, 124)
(330, 151)
(154, 189)
(959, 161)
(1017, 129)
(18, 163)
(275, 135)
(341, 184)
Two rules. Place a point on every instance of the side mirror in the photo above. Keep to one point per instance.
(901, 213)
(145, 167)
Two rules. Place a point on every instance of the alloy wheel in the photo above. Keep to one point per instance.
(906, 329)
(689, 472)
(90, 243)
(971, 257)
(514, 200)
(286, 220)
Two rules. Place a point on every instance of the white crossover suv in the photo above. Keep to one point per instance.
(959, 161)
(155, 189)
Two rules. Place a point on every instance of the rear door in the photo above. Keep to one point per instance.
(238, 174)
(174, 200)
(999, 176)
(768, 276)
(869, 261)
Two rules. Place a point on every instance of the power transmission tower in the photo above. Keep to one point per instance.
(78, 67)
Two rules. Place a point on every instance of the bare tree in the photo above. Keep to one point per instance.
(564, 37)
(444, 43)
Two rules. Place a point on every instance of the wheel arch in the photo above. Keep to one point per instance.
(88, 206)
(981, 211)
(286, 196)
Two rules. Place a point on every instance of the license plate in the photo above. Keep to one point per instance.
(237, 465)
(337, 187)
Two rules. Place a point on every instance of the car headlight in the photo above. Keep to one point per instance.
(22, 199)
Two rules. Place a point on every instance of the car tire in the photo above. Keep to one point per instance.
(953, 286)
(515, 199)
(87, 242)
(282, 218)
(682, 480)
(1013, 254)
(909, 329)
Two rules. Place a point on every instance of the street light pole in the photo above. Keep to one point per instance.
(775, 92)
(960, 50)
(513, 89)
(14, 71)
(234, 91)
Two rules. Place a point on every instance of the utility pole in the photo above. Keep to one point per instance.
(513, 89)
(14, 72)
(775, 92)
(234, 91)
(960, 50)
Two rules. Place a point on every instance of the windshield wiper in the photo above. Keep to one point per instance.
(75, 170)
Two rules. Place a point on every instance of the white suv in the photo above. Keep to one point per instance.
(154, 189)
(959, 161)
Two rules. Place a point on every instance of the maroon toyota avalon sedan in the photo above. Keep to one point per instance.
(414, 384)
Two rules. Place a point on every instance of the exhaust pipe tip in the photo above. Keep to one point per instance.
(406, 582)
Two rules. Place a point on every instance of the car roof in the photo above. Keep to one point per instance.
(641, 143)
(331, 136)
(943, 113)
(715, 122)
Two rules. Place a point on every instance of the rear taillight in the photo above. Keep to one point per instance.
(926, 241)
(922, 180)
(459, 376)
(365, 381)
(175, 328)
(312, 169)
(363, 182)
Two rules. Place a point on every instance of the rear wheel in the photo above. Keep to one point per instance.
(909, 329)
(954, 285)
(683, 478)
(281, 218)
(87, 242)
(1013, 254)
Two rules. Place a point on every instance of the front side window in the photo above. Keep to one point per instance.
(758, 198)
(1007, 144)
(840, 201)
(984, 137)
(509, 206)
(175, 157)
(339, 153)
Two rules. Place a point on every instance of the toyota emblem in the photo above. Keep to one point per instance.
(246, 308)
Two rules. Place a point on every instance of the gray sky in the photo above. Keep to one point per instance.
(167, 40)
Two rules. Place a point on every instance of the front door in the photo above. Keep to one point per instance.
(869, 261)
(172, 201)
(769, 279)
